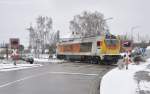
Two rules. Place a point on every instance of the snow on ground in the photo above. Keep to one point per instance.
(7, 65)
(44, 56)
(124, 81)
(148, 48)
(11, 67)
(48, 60)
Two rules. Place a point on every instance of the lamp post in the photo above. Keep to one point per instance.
(110, 18)
(132, 29)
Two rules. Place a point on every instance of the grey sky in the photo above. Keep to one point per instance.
(16, 15)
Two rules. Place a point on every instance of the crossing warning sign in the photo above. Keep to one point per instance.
(15, 54)
(14, 43)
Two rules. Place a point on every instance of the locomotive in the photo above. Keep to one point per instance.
(99, 49)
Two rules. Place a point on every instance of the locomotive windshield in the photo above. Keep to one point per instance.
(111, 42)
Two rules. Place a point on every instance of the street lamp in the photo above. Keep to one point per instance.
(132, 29)
(110, 18)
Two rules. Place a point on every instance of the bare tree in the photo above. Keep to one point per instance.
(88, 24)
(54, 40)
(44, 27)
(40, 34)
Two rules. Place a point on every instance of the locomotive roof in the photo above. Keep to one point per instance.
(79, 40)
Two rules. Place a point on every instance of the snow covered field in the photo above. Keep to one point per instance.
(135, 80)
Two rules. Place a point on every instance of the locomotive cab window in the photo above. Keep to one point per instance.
(111, 42)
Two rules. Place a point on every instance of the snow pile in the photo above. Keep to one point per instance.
(123, 81)
(48, 60)
(122, 54)
(148, 48)
(46, 56)
(10, 67)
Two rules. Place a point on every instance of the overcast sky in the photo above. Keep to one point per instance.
(16, 15)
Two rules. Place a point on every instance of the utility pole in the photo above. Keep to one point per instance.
(106, 28)
(31, 31)
(58, 36)
(6, 45)
(138, 37)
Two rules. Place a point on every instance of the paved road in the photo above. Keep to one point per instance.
(66, 78)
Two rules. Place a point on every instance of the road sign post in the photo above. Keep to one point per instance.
(14, 43)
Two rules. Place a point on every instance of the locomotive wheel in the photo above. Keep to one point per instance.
(95, 60)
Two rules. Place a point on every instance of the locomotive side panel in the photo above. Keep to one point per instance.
(72, 48)
(75, 49)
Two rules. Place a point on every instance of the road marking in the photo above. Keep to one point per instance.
(29, 77)
(68, 73)
(25, 78)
